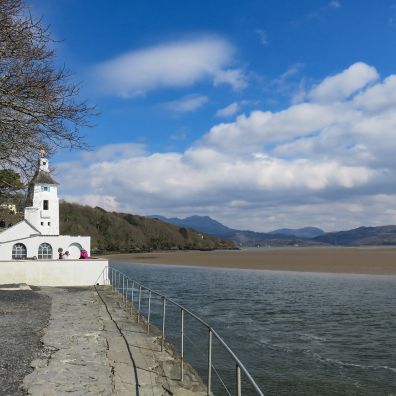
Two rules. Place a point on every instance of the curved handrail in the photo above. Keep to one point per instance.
(239, 365)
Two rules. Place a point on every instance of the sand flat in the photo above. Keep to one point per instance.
(359, 260)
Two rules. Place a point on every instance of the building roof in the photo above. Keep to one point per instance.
(42, 177)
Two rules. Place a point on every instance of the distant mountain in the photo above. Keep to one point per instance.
(200, 223)
(375, 236)
(306, 232)
(241, 237)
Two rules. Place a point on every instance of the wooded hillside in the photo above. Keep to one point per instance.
(121, 232)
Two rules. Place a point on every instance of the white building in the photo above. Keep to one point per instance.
(37, 236)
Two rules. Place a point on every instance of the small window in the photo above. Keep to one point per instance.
(42, 223)
(19, 251)
(45, 188)
(49, 223)
(44, 163)
(45, 204)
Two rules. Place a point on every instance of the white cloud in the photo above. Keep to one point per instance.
(344, 84)
(328, 161)
(103, 201)
(381, 96)
(186, 104)
(233, 77)
(229, 110)
(172, 64)
(112, 152)
(290, 72)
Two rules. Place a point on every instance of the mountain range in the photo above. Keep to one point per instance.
(206, 224)
(307, 236)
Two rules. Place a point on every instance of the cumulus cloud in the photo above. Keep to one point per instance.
(173, 64)
(328, 161)
(186, 104)
(344, 84)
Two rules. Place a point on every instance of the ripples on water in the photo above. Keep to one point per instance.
(297, 333)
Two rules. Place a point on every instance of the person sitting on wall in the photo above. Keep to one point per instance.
(83, 254)
(60, 251)
(66, 255)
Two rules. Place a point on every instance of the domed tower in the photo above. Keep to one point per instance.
(43, 194)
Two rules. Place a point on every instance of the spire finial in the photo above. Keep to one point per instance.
(42, 152)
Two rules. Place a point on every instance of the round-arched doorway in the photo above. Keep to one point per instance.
(74, 251)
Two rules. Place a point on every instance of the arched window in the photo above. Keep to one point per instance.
(45, 251)
(19, 251)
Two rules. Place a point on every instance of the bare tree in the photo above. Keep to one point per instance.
(39, 104)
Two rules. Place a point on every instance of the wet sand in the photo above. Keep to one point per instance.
(376, 260)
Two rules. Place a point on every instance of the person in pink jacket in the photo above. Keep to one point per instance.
(83, 254)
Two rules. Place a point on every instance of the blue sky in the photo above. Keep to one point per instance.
(261, 114)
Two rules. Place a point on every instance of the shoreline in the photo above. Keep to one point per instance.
(343, 260)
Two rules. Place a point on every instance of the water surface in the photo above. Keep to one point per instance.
(297, 333)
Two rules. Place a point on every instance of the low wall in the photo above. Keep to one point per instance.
(52, 272)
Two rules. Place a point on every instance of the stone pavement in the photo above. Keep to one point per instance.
(96, 349)
(24, 314)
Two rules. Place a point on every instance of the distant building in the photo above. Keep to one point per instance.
(37, 235)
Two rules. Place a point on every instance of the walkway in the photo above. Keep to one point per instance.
(98, 350)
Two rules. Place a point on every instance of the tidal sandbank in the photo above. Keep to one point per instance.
(359, 260)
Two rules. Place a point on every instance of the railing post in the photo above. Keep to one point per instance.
(182, 345)
(123, 288)
(126, 293)
(163, 323)
(148, 314)
(238, 380)
(133, 287)
(140, 295)
(209, 361)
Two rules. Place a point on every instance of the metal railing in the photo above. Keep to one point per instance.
(126, 287)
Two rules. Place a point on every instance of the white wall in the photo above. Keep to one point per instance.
(56, 241)
(46, 221)
(52, 272)
(16, 232)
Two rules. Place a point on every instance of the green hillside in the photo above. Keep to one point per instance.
(122, 232)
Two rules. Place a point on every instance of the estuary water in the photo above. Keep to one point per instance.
(297, 333)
